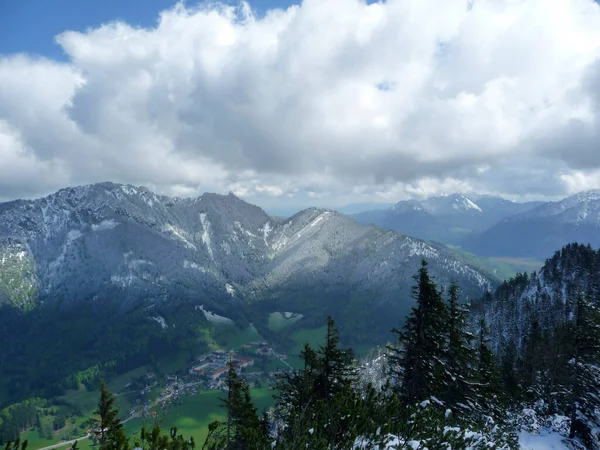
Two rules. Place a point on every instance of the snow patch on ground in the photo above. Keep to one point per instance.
(192, 265)
(206, 233)
(266, 230)
(543, 441)
(230, 290)
(105, 225)
(180, 235)
(161, 321)
(214, 318)
(129, 190)
(470, 205)
(123, 280)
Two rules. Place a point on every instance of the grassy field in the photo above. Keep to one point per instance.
(279, 321)
(195, 413)
(87, 401)
(503, 267)
(229, 336)
(313, 336)
(191, 417)
(520, 264)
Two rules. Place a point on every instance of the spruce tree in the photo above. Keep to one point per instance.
(317, 405)
(243, 429)
(417, 361)
(460, 355)
(337, 372)
(154, 439)
(585, 373)
(487, 374)
(16, 445)
(107, 426)
(296, 390)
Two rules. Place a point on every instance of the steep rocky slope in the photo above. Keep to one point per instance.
(126, 246)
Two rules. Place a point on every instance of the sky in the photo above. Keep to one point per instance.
(321, 103)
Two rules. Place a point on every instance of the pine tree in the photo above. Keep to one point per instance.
(154, 439)
(585, 373)
(243, 429)
(316, 406)
(460, 355)
(508, 362)
(296, 391)
(487, 374)
(107, 427)
(337, 372)
(17, 445)
(418, 359)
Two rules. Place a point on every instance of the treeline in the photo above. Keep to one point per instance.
(17, 418)
(39, 357)
(36, 412)
(443, 385)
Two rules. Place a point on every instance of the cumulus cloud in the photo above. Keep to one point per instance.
(331, 101)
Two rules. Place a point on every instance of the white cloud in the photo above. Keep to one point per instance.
(332, 100)
(273, 191)
(579, 181)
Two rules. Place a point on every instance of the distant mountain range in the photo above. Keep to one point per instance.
(495, 227)
(541, 230)
(447, 219)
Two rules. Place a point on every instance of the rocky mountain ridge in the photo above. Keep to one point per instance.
(103, 242)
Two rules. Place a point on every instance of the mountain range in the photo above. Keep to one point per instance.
(447, 218)
(128, 247)
(72, 262)
(495, 227)
(538, 232)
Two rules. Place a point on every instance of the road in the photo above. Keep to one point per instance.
(64, 444)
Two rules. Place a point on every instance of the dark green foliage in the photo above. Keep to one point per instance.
(489, 387)
(460, 356)
(417, 360)
(243, 429)
(585, 373)
(319, 404)
(438, 364)
(154, 439)
(106, 426)
(18, 417)
(17, 445)
(99, 342)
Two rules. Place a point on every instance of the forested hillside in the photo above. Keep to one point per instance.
(526, 356)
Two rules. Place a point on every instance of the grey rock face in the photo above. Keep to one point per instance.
(116, 243)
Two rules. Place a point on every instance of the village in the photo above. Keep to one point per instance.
(257, 363)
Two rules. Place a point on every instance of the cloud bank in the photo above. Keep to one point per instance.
(329, 101)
